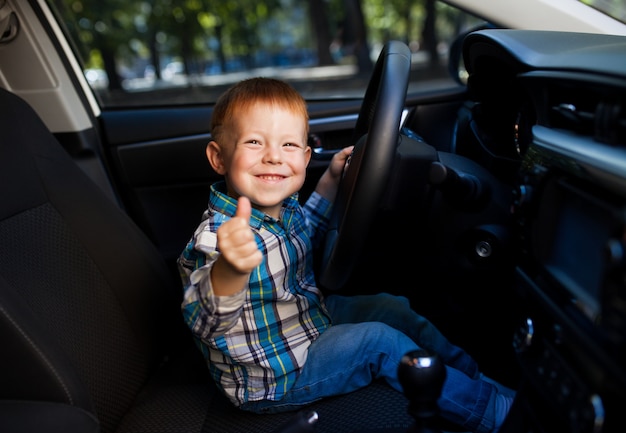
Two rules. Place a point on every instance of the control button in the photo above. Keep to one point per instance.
(523, 337)
(598, 409)
(524, 194)
(615, 252)
(483, 249)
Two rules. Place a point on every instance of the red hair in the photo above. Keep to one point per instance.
(244, 94)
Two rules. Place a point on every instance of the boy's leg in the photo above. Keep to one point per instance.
(396, 312)
(348, 357)
(343, 359)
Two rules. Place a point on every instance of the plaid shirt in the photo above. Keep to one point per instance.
(256, 341)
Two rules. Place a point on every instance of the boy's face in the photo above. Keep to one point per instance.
(263, 157)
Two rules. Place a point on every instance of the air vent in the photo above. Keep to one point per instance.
(610, 123)
(603, 120)
(568, 115)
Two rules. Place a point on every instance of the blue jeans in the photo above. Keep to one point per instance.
(367, 339)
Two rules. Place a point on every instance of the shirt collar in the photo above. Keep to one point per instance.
(220, 201)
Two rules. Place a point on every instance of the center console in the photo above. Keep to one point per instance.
(570, 213)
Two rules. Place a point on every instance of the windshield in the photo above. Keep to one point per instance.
(613, 8)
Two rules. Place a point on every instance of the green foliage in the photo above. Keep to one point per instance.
(227, 34)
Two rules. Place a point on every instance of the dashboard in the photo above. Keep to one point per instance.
(548, 114)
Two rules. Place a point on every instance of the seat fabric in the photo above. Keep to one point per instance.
(89, 312)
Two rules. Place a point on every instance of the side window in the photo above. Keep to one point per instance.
(139, 53)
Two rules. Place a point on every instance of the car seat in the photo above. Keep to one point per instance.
(91, 334)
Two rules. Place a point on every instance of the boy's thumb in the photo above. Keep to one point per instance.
(244, 208)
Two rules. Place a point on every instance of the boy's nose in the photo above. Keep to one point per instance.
(272, 155)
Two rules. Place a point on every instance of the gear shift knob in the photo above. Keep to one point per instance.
(421, 374)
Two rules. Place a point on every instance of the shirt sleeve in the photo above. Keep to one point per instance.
(207, 315)
(317, 210)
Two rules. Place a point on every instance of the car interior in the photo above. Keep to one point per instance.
(503, 199)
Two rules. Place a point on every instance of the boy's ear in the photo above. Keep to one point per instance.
(308, 152)
(214, 155)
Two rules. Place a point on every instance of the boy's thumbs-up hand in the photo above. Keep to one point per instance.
(244, 209)
(235, 240)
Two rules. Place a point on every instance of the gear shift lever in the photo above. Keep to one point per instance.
(422, 373)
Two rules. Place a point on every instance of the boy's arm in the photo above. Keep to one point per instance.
(239, 252)
(328, 183)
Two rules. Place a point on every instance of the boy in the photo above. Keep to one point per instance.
(272, 341)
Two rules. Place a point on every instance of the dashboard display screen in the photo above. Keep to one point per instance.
(575, 251)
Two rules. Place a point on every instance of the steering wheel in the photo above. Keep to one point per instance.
(368, 169)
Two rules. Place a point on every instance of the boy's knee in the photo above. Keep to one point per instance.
(373, 333)
(389, 301)
(379, 333)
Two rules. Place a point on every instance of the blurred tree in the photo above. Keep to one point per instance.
(429, 37)
(104, 28)
(154, 17)
(237, 28)
(413, 22)
(320, 26)
(355, 36)
(123, 36)
(184, 27)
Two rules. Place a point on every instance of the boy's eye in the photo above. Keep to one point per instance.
(291, 145)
